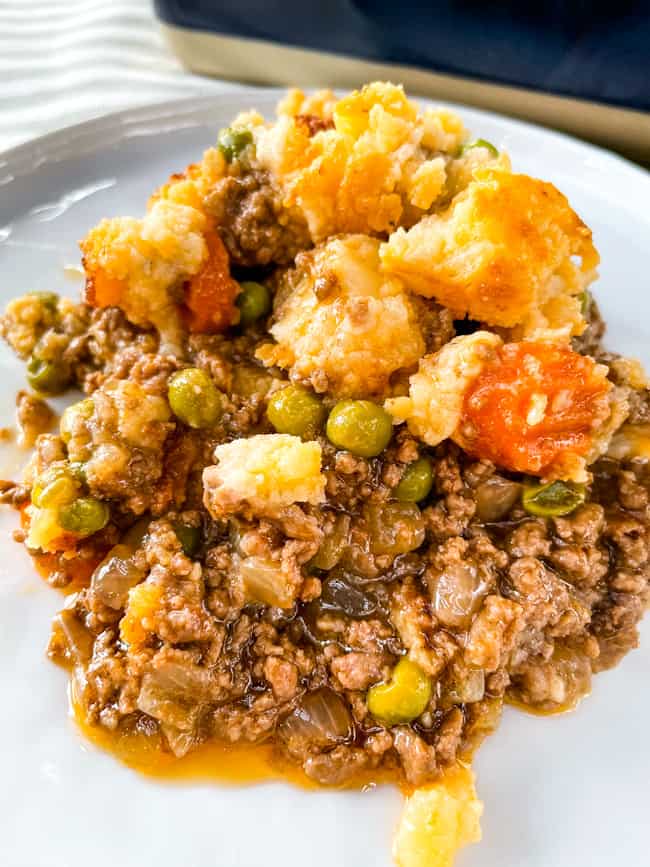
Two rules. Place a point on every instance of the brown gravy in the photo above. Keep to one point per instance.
(512, 701)
(214, 761)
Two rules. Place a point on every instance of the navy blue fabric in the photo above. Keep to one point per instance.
(594, 50)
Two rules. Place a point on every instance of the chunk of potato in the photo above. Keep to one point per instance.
(437, 821)
(263, 474)
(509, 251)
(133, 263)
(340, 324)
(434, 406)
(366, 163)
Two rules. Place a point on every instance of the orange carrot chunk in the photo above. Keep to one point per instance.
(210, 295)
(533, 404)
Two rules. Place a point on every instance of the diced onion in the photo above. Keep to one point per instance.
(456, 593)
(180, 742)
(173, 692)
(115, 576)
(495, 497)
(77, 641)
(321, 719)
(340, 594)
(264, 581)
(468, 687)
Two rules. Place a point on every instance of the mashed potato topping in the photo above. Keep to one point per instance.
(530, 407)
(367, 163)
(340, 324)
(134, 263)
(434, 406)
(264, 473)
(194, 184)
(503, 253)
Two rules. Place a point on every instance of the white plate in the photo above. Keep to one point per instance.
(570, 791)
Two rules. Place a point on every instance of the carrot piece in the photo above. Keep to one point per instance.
(210, 295)
(534, 404)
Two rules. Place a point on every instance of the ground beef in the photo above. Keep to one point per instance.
(86, 342)
(255, 225)
(492, 603)
(494, 633)
(111, 346)
(126, 440)
(33, 416)
(639, 407)
(357, 671)
(436, 322)
(313, 123)
(589, 342)
(418, 758)
(14, 494)
(557, 599)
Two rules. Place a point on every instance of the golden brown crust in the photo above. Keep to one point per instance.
(502, 254)
(340, 324)
(367, 163)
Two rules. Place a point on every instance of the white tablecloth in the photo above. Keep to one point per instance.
(63, 61)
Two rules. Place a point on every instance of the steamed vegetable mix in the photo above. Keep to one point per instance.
(84, 516)
(254, 302)
(416, 482)
(480, 143)
(231, 141)
(210, 295)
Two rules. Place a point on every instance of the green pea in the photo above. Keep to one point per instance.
(194, 398)
(254, 302)
(404, 697)
(294, 410)
(393, 528)
(479, 143)
(360, 426)
(189, 537)
(84, 516)
(48, 377)
(585, 302)
(553, 499)
(232, 141)
(416, 482)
